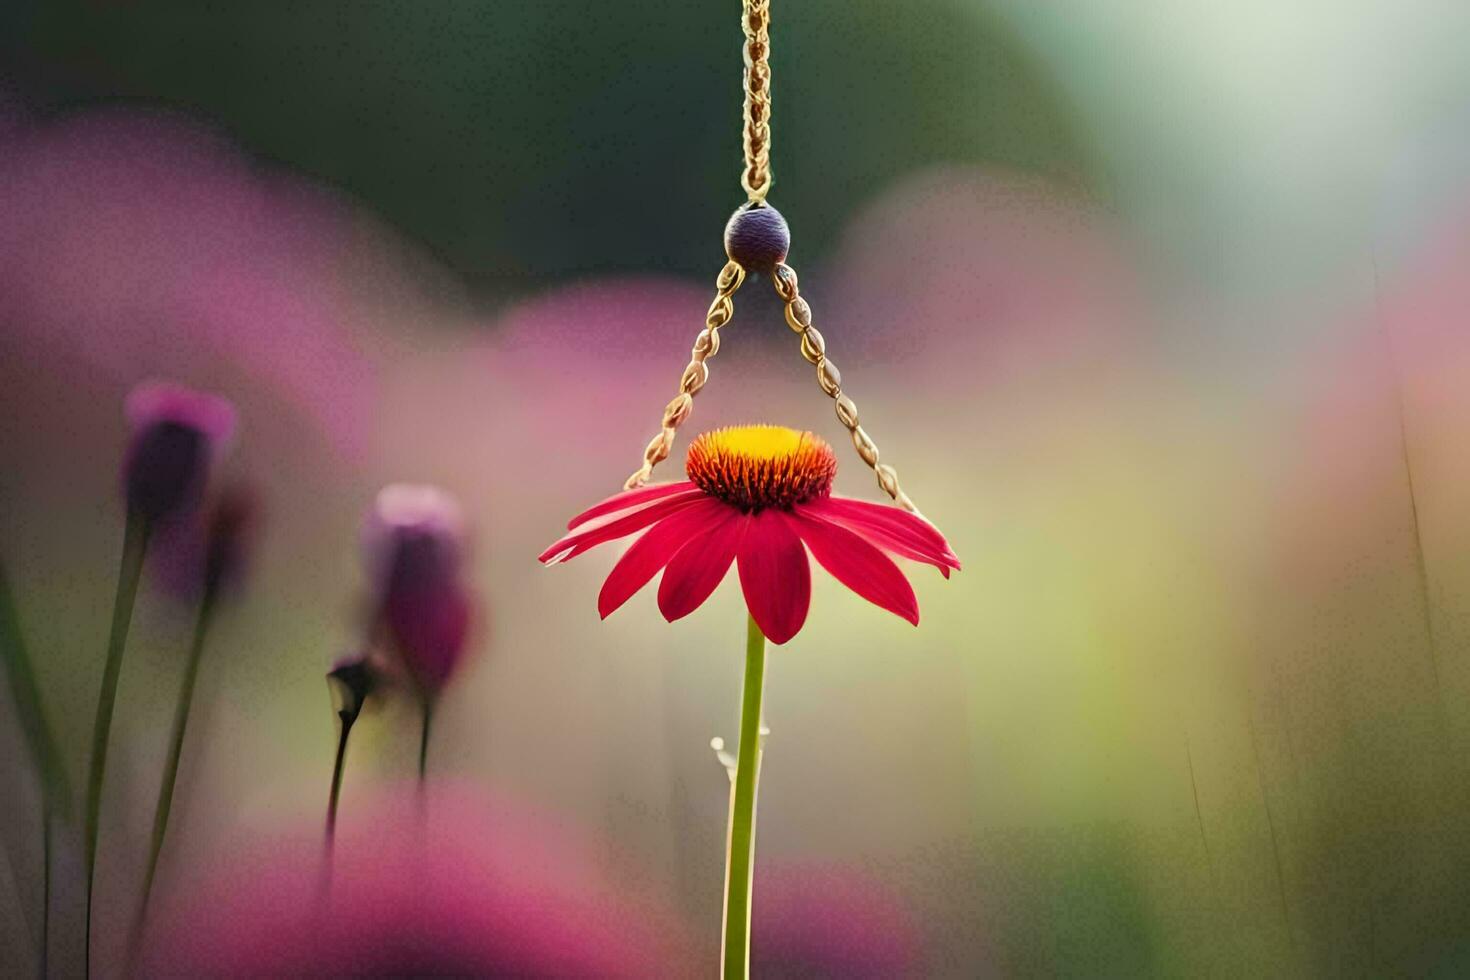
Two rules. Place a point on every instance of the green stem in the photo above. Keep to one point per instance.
(29, 708)
(130, 571)
(336, 793)
(31, 713)
(739, 863)
(424, 738)
(175, 751)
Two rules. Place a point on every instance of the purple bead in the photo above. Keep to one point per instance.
(757, 237)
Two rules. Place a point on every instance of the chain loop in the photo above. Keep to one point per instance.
(814, 349)
(706, 345)
(755, 21)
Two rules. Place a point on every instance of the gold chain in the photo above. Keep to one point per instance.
(756, 179)
(814, 349)
(756, 22)
(695, 374)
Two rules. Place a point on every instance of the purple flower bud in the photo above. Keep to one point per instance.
(353, 679)
(413, 532)
(429, 628)
(414, 545)
(208, 553)
(176, 433)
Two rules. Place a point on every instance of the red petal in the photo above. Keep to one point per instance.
(701, 565)
(775, 575)
(575, 544)
(865, 517)
(654, 550)
(901, 540)
(859, 565)
(626, 499)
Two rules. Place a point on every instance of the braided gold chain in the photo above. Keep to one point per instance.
(756, 179)
(814, 349)
(755, 21)
(706, 345)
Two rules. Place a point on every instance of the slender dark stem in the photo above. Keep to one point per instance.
(1271, 828)
(45, 886)
(130, 571)
(347, 721)
(1421, 563)
(739, 863)
(31, 712)
(175, 751)
(424, 738)
(1199, 815)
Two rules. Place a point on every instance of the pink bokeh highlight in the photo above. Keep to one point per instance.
(442, 880)
(138, 244)
(830, 920)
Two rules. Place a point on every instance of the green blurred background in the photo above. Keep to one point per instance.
(1159, 309)
(526, 142)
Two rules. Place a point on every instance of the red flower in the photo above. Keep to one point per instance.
(758, 496)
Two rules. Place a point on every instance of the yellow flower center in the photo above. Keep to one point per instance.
(759, 466)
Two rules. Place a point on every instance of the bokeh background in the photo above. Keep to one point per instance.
(1161, 310)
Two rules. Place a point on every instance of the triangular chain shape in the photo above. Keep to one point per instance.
(813, 348)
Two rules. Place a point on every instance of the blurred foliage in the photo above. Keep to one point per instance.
(530, 141)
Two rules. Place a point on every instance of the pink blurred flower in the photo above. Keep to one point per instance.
(584, 361)
(1383, 418)
(815, 920)
(1004, 284)
(175, 434)
(210, 551)
(137, 243)
(451, 883)
(414, 544)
